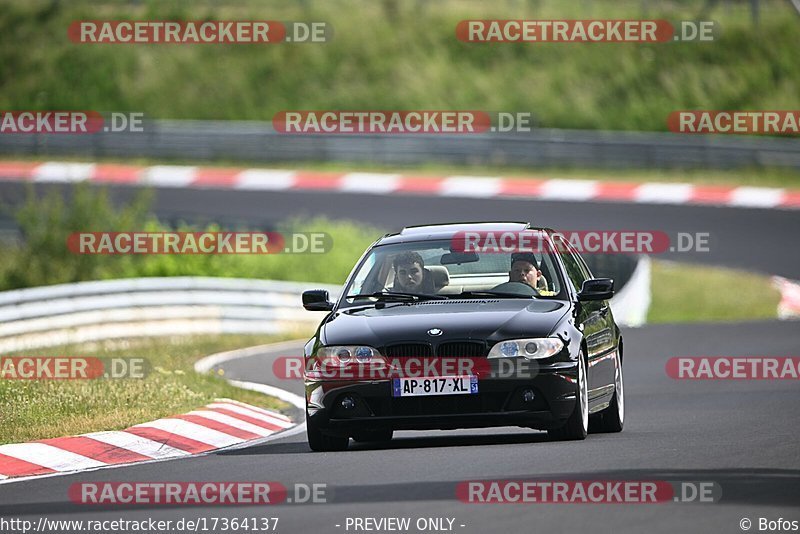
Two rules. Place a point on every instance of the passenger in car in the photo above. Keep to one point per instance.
(411, 276)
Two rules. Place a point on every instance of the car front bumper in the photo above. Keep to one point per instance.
(499, 402)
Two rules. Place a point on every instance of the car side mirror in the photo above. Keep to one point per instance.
(596, 289)
(317, 300)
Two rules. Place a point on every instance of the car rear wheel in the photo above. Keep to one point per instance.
(612, 419)
(577, 426)
(374, 436)
(319, 441)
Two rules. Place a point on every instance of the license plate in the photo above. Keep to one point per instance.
(445, 385)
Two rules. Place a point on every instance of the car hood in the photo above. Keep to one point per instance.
(491, 320)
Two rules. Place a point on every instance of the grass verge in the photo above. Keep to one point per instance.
(691, 293)
(39, 409)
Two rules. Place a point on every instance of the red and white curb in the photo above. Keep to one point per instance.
(385, 184)
(221, 424)
(789, 306)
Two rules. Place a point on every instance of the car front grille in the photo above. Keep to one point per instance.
(409, 350)
(461, 349)
(452, 349)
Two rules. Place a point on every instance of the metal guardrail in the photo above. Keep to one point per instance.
(141, 307)
(259, 142)
(92, 311)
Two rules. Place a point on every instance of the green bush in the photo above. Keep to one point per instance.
(47, 222)
(43, 258)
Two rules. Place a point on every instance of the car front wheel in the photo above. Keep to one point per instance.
(612, 419)
(319, 441)
(577, 426)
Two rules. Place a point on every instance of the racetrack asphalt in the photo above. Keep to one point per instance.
(741, 435)
(761, 240)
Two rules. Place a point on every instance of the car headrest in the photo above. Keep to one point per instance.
(441, 276)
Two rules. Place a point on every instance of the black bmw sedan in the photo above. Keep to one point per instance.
(462, 326)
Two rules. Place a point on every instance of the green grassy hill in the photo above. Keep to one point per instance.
(402, 55)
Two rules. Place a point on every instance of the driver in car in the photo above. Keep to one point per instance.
(411, 276)
(525, 269)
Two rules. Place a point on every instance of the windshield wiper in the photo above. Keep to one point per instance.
(396, 295)
(375, 305)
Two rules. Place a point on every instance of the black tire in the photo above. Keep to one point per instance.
(612, 419)
(319, 441)
(374, 436)
(577, 426)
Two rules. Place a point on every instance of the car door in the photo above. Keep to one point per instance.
(595, 319)
(606, 340)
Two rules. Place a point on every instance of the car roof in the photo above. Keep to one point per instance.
(430, 232)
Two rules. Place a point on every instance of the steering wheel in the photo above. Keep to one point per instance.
(515, 288)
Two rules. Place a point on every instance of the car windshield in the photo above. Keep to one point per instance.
(431, 270)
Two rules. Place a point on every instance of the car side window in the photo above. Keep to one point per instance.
(575, 271)
(584, 266)
(357, 287)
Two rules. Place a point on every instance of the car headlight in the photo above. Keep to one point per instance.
(532, 349)
(341, 355)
